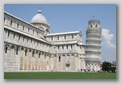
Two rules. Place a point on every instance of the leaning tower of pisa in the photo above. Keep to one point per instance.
(93, 45)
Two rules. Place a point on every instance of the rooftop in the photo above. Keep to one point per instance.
(64, 33)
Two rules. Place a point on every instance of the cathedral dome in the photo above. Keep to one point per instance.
(39, 18)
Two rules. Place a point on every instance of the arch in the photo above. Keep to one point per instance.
(91, 26)
(39, 55)
(4, 19)
(26, 52)
(17, 51)
(72, 36)
(6, 48)
(23, 27)
(64, 36)
(8, 33)
(11, 23)
(47, 31)
(59, 58)
(32, 53)
(58, 37)
(13, 35)
(17, 25)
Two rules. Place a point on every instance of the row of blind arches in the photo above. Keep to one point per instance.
(23, 37)
(25, 51)
(23, 27)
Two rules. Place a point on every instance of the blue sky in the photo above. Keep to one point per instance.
(73, 17)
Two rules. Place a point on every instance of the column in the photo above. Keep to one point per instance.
(21, 58)
(47, 62)
(76, 62)
(38, 67)
(29, 59)
(55, 62)
(25, 59)
(63, 62)
(12, 58)
(43, 61)
(32, 59)
(70, 61)
(17, 58)
(40, 60)
(52, 62)
(36, 59)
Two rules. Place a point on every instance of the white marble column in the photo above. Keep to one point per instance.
(40, 61)
(76, 62)
(52, 62)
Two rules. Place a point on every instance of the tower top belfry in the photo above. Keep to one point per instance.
(94, 24)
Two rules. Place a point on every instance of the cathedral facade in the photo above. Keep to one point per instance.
(30, 47)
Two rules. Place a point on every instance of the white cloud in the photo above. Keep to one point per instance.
(108, 37)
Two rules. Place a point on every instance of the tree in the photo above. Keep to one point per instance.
(106, 66)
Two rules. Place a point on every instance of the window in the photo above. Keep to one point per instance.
(14, 35)
(71, 46)
(58, 37)
(72, 36)
(91, 26)
(4, 19)
(73, 54)
(27, 39)
(6, 48)
(17, 25)
(23, 38)
(31, 40)
(59, 59)
(19, 37)
(67, 46)
(11, 23)
(8, 33)
(65, 37)
(23, 27)
(80, 47)
(22, 48)
(58, 46)
(51, 38)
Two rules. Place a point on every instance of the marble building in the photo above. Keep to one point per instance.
(93, 45)
(29, 46)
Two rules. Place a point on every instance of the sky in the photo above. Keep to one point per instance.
(74, 17)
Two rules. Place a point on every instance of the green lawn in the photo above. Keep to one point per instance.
(58, 75)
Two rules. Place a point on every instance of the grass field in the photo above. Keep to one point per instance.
(58, 75)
